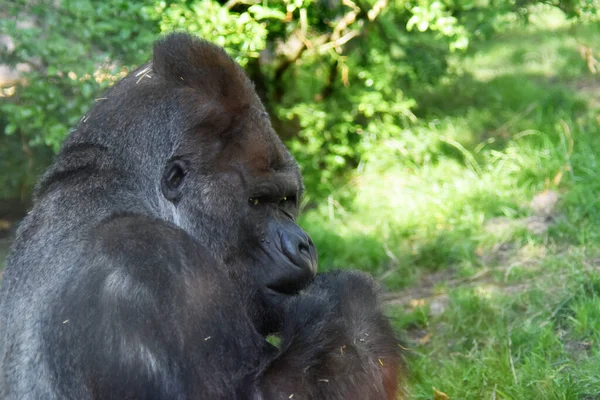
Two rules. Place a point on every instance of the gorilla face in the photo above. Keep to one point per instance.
(235, 187)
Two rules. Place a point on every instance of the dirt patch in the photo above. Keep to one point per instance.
(543, 207)
(432, 289)
(589, 89)
(438, 299)
(577, 349)
(425, 291)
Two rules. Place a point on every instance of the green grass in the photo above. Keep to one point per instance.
(488, 307)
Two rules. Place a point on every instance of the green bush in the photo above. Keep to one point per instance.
(333, 74)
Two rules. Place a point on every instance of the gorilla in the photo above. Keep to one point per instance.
(162, 249)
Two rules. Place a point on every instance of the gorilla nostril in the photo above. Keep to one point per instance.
(304, 248)
(296, 246)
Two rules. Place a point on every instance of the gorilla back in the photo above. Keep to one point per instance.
(163, 246)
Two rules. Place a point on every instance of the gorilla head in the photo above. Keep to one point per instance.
(217, 168)
(228, 180)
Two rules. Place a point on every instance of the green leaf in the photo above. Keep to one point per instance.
(259, 12)
(10, 129)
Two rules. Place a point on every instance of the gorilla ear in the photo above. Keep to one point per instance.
(172, 180)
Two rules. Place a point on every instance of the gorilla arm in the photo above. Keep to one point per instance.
(336, 344)
(151, 315)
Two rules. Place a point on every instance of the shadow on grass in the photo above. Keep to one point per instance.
(503, 107)
(517, 81)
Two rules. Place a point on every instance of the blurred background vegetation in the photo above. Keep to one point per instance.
(448, 147)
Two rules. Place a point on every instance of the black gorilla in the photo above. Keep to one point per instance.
(162, 248)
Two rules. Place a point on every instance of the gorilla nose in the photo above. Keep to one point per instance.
(300, 249)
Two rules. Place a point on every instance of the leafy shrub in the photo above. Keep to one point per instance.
(333, 74)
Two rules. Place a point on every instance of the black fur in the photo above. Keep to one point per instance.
(162, 247)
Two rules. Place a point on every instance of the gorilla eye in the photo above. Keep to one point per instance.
(172, 179)
(287, 205)
(175, 177)
(287, 201)
(254, 201)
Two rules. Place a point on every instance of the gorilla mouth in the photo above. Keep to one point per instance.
(281, 273)
(289, 288)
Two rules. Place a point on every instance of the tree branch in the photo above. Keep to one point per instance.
(334, 40)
